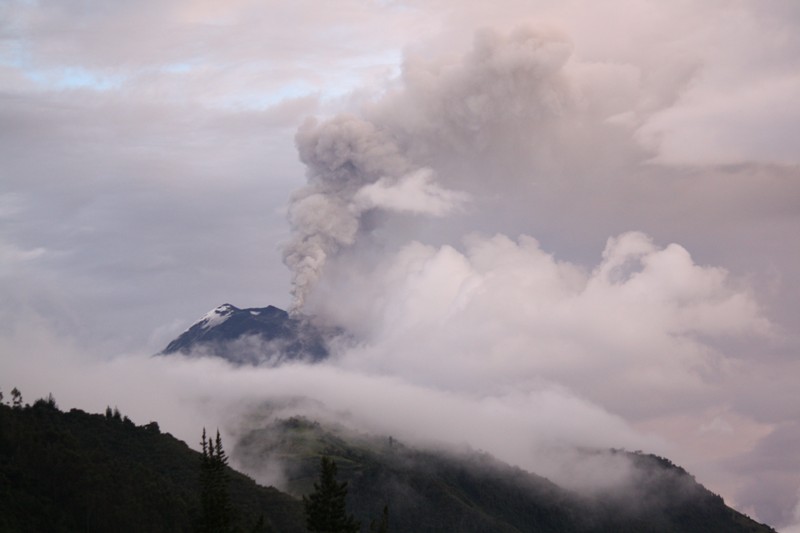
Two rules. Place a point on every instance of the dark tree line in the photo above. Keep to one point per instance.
(16, 400)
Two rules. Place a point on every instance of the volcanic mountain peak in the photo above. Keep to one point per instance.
(259, 335)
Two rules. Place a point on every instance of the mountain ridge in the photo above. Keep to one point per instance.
(430, 491)
(255, 336)
(75, 471)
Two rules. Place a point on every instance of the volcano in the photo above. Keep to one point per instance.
(254, 336)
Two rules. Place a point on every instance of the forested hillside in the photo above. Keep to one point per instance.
(429, 491)
(74, 471)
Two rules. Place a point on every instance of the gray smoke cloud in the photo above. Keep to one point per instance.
(355, 165)
(509, 93)
(353, 168)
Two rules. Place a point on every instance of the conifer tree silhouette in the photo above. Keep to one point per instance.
(325, 507)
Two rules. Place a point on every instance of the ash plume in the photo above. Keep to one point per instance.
(352, 167)
(385, 162)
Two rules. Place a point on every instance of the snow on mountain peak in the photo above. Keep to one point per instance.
(216, 316)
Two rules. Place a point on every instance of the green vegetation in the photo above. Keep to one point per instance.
(74, 471)
(214, 500)
(467, 492)
(326, 507)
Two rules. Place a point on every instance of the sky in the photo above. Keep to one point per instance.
(544, 222)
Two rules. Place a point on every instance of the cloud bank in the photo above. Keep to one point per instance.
(516, 123)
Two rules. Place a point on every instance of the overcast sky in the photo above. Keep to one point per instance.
(538, 211)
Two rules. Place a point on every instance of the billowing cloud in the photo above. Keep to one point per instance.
(415, 193)
(535, 136)
(530, 427)
(354, 168)
(634, 334)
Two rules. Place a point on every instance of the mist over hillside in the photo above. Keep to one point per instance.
(75, 471)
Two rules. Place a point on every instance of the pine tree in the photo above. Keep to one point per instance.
(214, 499)
(222, 500)
(206, 483)
(325, 507)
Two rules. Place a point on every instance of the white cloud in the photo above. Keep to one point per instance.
(415, 193)
(185, 394)
(628, 334)
(757, 122)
